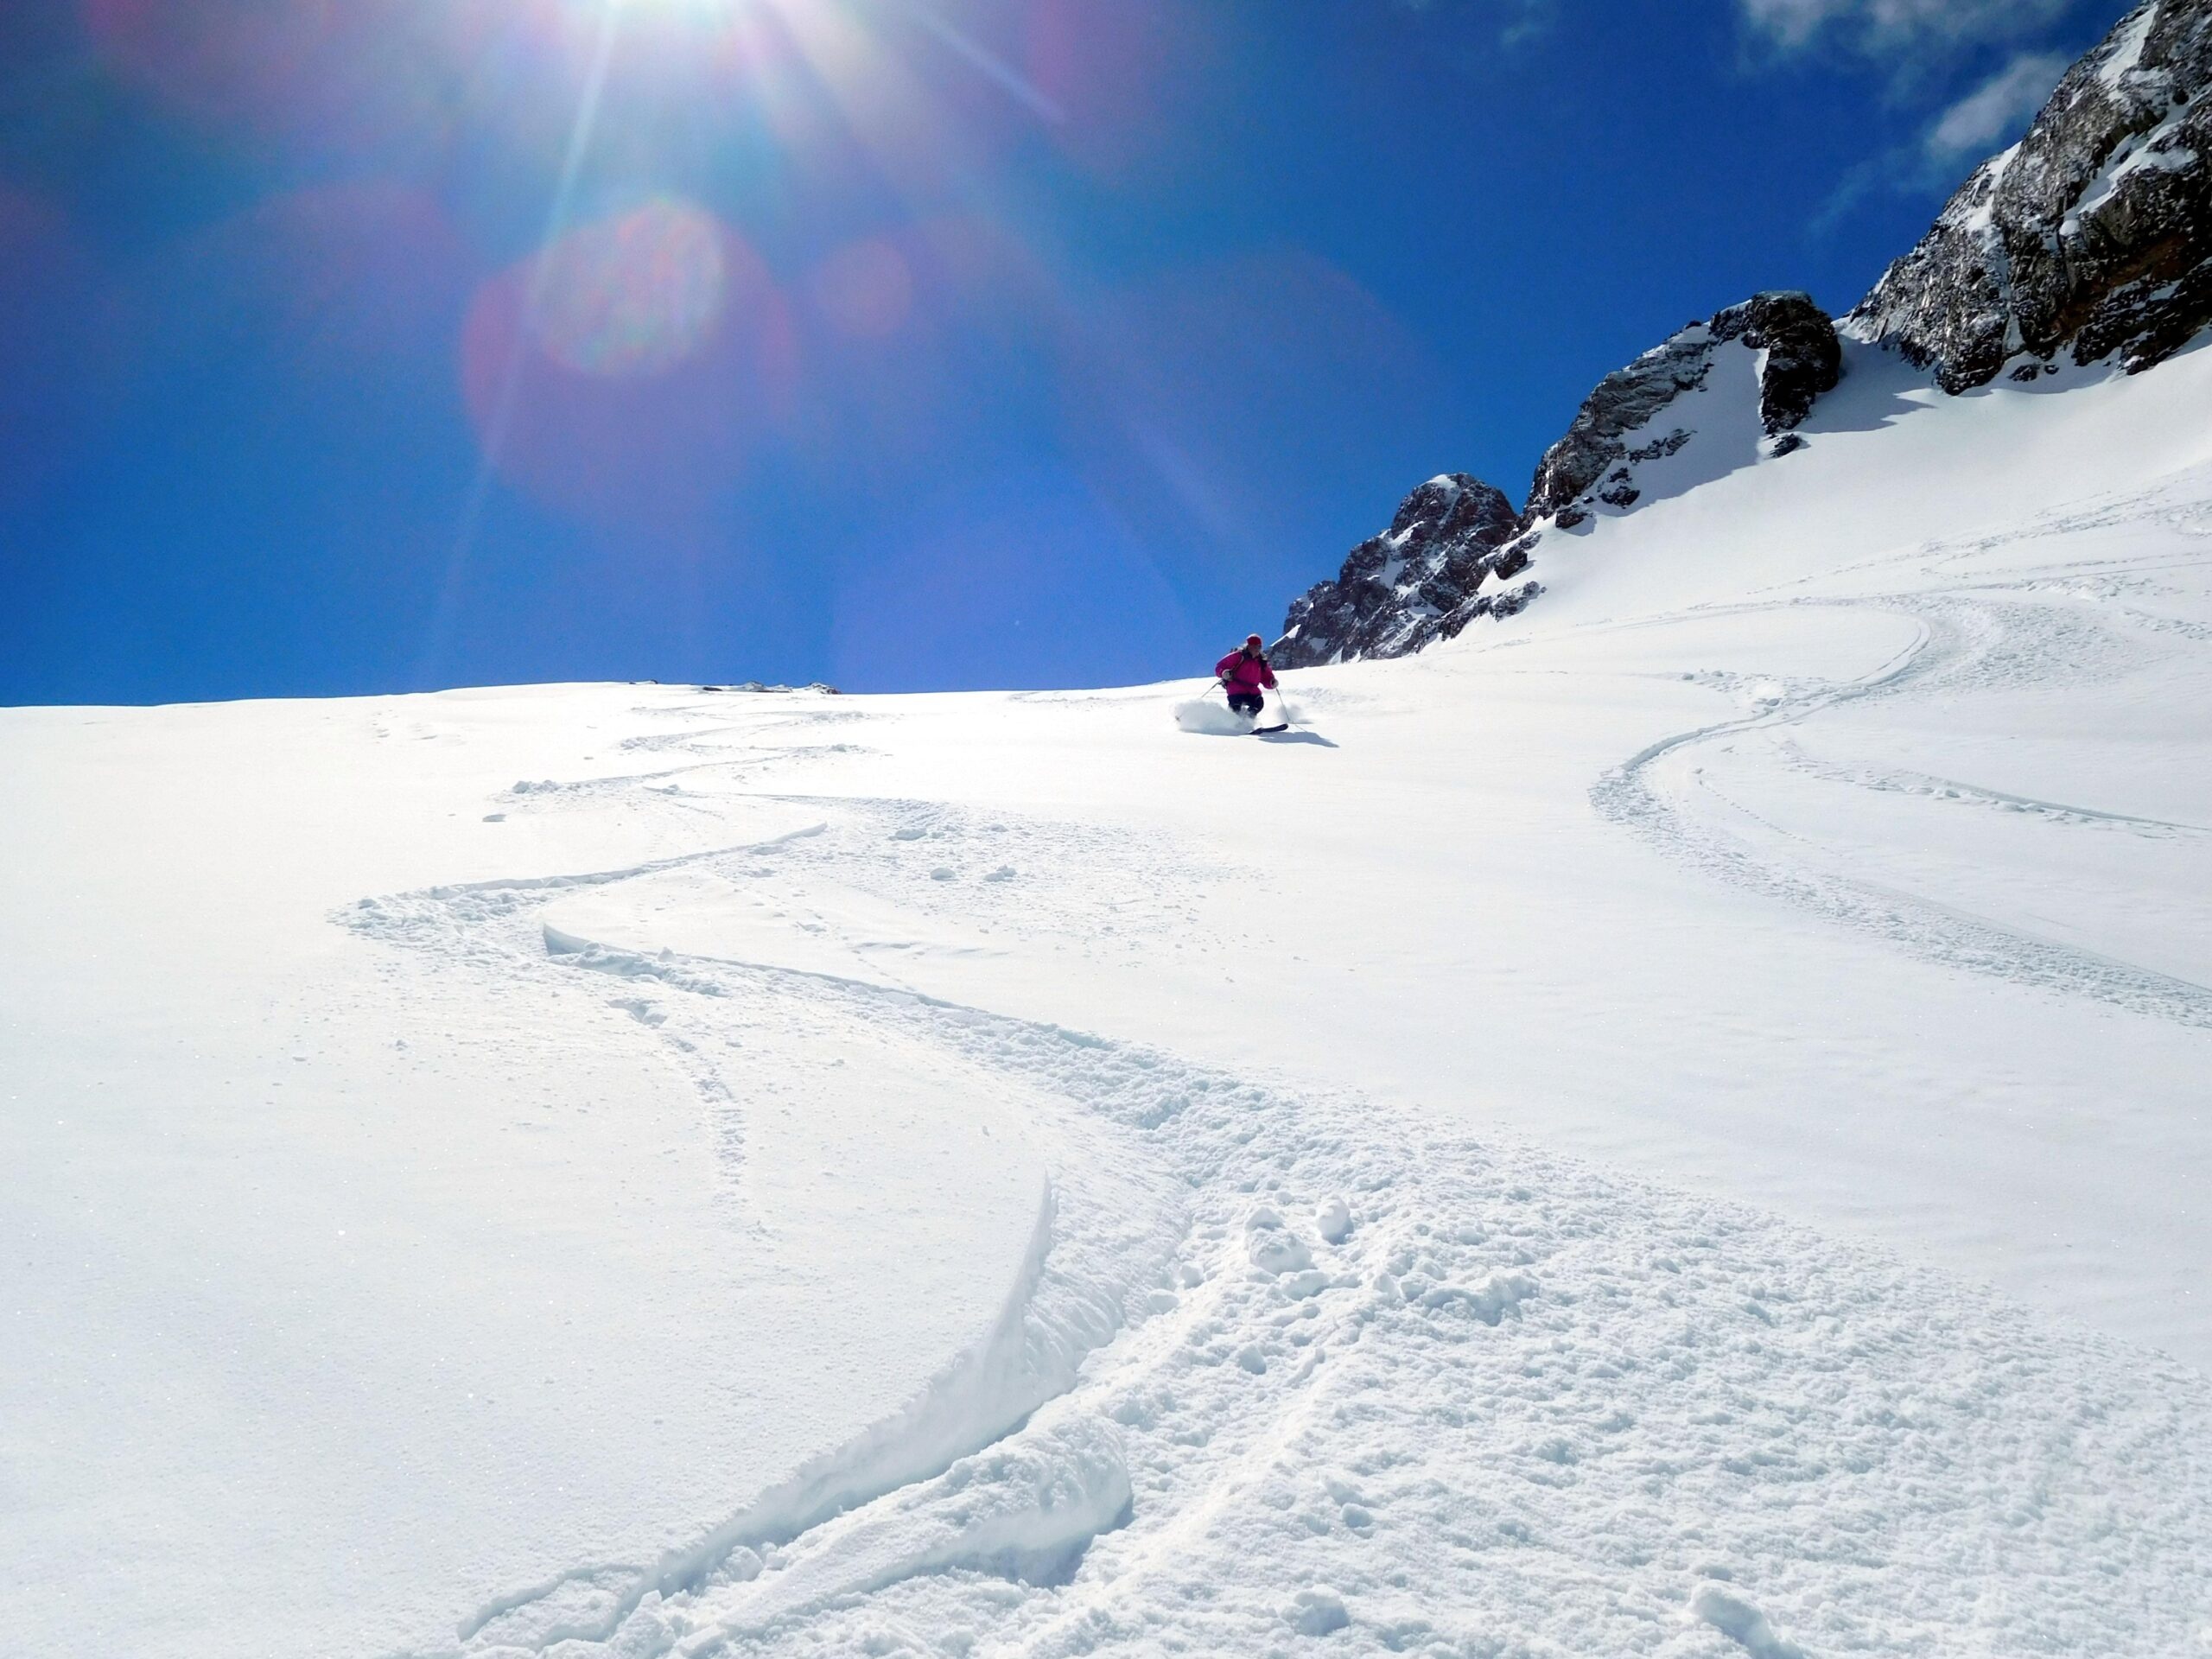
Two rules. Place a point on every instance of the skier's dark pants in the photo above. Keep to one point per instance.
(1247, 703)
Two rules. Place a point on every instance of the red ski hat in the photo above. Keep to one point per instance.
(1253, 639)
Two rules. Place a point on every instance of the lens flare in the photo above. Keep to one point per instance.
(633, 296)
(629, 374)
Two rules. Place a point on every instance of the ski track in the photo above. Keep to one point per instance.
(1276, 1372)
(1930, 786)
(1997, 637)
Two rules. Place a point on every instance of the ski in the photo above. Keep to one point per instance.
(1262, 731)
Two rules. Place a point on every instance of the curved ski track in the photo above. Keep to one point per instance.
(1967, 638)
(1278, 1370)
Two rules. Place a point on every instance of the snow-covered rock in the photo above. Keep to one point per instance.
(1456, 546)
(2093, 236)
(1415, 583)
(1799, 360)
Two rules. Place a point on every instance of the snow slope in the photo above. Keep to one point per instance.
(1673, 1125)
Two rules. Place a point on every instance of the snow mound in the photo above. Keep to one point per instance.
(1741, 1622)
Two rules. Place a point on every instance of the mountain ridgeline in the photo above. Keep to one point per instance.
(2088, 242)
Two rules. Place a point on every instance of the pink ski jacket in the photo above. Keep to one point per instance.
(1244, 673)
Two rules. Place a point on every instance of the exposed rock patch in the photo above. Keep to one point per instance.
(1457, 543)
(1802, 360)
(1401, 589)
(2091, 238)
(2087, 237)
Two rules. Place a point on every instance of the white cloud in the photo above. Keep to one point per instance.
(1881, 27)
(1996, 111)
(1984, 121)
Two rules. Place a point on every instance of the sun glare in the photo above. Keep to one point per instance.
(633, 294)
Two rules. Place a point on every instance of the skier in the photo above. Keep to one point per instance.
(1242, 673)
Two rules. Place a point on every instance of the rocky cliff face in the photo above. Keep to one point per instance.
(1457, 546)
(1415, 583)
(1799, 359)
(2091, 236)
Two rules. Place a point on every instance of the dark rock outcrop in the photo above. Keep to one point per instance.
(2093, 235)
(1803, 360)
(1418, 582)
(1401, 589)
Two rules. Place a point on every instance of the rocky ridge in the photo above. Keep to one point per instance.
(1800, 358)
(2091, 236)
(1456, 546)
(1413, 583)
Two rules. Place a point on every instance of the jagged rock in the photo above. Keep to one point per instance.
(1514, 600)
(1802, 360)
(1620, 490)
(1803, 356)
(1396, 588)
(1419, 583)
(1624, 400)
(1512, 559)
(1509, 601)
(2092, 234)
(2093, 237)
(1659, 449)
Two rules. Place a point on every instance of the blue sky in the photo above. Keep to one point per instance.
(413, 343)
